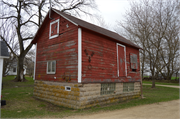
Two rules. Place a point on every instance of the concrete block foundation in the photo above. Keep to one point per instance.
(79, 96)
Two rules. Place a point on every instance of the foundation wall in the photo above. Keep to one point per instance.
(81, 95)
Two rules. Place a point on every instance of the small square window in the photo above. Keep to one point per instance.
(51, 67)
(127, 87)
(107, 88)
(54, 29)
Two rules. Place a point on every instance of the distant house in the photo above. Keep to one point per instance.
(13, 69)
(80, 65)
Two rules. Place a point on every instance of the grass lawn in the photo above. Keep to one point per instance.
(173, 78)
(21, 104)
(161, 83)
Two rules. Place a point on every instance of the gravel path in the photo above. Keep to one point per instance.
(163, 85)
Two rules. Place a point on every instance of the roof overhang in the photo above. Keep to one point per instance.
(4, 57)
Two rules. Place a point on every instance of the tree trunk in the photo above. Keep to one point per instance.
(153, 82)
(20, 70)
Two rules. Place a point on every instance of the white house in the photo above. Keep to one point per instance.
(13, 69)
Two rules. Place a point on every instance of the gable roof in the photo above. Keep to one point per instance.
(97, 29)
(3, 49)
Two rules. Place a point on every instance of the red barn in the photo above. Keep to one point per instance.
(79, 65)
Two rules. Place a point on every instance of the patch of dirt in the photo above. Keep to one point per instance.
(162, 110)
(51, 107)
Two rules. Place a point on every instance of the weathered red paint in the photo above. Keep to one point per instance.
(63, 49)
(99, 55)
(103, 66)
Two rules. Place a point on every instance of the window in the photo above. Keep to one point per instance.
(51, 67)
(67, 88)
(127, 87)
(54, 29)
(14, 69)
(134, 65)
(107, 88)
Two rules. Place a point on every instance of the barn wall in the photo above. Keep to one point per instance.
(63, 49)
(82, 95)
(99, 60)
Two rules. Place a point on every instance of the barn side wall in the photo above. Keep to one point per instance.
(99, 59)
(63, 49)
(82, 95)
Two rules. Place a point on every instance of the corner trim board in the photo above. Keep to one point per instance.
(35, 62)
(79, 55)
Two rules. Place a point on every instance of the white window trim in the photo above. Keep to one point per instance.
(51, 67)
(118, 59)
(56, 21)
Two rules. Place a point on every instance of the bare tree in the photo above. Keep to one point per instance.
(20, 18)
(154, 25)
(29, 62)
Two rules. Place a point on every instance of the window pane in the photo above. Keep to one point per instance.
(49, 66)
(133, 58)
(53, 66)
(14, 69)
(107, 88)
(128, 87)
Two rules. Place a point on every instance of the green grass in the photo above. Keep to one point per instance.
(161, 83)
(173, 78)
(21, 104)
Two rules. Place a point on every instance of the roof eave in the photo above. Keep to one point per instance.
(135, 46)
(33, 41)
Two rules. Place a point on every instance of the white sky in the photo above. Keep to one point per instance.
(111, 11)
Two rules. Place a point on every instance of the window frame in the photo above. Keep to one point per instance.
(128, 86)
(51, 72)
(107, 88)
(54, 36)
(14, 71)
(131, 61)
(66, 88)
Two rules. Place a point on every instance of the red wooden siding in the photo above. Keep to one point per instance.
(99, 55)
(121, 61)
(99, 60)
(63, 49)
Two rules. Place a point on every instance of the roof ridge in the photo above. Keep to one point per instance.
(96, 28)
(85, 21)
(90, 26)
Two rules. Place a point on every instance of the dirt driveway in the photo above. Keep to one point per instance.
(162, 110)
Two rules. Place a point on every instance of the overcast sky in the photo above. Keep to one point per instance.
(111, 11)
